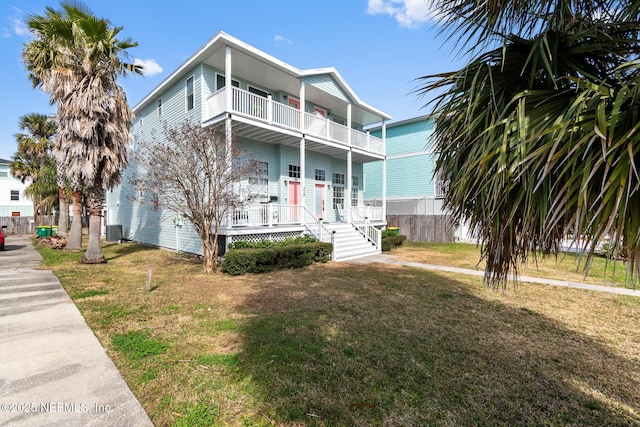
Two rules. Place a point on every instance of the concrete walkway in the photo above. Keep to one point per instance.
(53, 370)
(390, 259)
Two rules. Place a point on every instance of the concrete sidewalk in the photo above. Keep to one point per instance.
(390, 259)
(53, 370)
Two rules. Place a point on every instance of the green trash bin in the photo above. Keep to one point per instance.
(43, 231)
(54, 230)
(394, 230)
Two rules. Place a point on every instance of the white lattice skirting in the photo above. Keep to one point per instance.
(275, 236)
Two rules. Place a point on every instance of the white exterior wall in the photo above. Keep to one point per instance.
(8, 184)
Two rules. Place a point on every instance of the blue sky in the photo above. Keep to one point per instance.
(379, 46)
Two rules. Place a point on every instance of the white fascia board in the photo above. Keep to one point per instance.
(343, 84)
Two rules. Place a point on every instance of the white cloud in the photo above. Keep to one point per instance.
(149, 66)
(408, 13)
(19, 27)
(282, 39)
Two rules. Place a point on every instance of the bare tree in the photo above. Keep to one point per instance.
(196, 173)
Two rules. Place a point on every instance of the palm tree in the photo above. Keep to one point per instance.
(538, 136)
(77, 58)
(33, 161)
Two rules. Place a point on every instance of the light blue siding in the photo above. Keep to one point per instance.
(327, 84)
(412, 137)
(373, 180)
(410, 161)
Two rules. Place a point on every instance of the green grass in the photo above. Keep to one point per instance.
(89, 293)
(136, 345)
(340, 344)
(564, 266)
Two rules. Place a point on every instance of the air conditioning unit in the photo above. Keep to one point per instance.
(114, 233)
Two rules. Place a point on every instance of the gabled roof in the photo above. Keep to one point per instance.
(212, 53)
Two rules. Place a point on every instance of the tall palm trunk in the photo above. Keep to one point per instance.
(63, 218)
(95, 197)
(74, 242)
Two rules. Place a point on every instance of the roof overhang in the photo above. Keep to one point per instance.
(268, 72)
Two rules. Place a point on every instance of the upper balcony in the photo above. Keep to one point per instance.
(266, 111)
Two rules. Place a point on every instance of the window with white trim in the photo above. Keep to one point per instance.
(189, 94)
(159, 107)
(259, 182)
(294, 171)
(320, 174)
(221, 82)
(15, 195)
(440, 186)
(354, 191)
(259, 92)
(338, 191)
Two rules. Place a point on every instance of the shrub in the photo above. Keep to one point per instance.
(392, 241)
(261, 260)
(264, 243)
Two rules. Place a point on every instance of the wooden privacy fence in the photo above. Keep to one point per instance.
(23, 224)
(423, 228)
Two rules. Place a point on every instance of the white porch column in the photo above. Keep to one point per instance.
(349, 125)
(303, 170)
(228, 128)
(303, 126)
(384, 172)
(227, 77)
(347, 197)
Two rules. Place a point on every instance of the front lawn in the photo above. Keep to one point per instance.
(564, 266)
(339, 344)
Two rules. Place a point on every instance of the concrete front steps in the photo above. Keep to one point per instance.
(348, 243)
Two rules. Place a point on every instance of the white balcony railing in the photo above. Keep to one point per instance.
(269, 111)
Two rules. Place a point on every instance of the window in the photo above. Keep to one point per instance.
(15, 195)
(4, 173)
(338, 191)
(440, 186)
(260, 181)
(140, 122)
(190, 101)
(320, 175)
(221, 82)
(258, 92)
(294, 171)
(159, 107)
(338, 197)
(155, 198)
(354, 191)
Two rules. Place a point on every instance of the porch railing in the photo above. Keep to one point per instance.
(372, 233)
(266, 214)
(371, 212)
(269, 111)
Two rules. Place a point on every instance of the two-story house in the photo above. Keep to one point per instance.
(406, 180)
(13, 201)
(306, 127)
